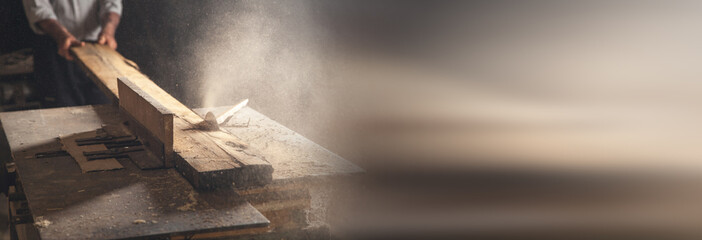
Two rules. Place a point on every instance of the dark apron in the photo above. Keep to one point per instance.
(60, 82)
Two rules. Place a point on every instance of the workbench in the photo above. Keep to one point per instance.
(112, 204)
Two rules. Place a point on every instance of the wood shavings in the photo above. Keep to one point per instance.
(191, 204)
(40, 222)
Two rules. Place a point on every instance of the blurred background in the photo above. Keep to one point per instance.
(521, 119)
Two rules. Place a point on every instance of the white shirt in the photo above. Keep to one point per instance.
(82, 18)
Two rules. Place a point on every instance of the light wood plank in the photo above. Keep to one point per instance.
(207, 159)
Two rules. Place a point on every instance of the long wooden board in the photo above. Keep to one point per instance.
(208, 159)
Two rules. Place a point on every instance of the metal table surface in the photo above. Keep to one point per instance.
(110, 204)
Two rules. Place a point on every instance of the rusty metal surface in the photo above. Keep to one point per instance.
(124, 203)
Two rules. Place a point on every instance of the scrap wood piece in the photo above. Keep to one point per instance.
(226, 116)
(68, 144)
(196, 155)
(212, 122)
(217, 159)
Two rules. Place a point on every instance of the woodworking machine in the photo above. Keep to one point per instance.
(148, 166)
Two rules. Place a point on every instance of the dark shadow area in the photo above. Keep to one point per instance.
(15, 30)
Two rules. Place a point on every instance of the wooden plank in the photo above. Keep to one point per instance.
(149, 116)
(204, 158)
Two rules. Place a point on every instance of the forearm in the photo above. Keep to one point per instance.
(110, 21)
(54, 29)
(64, 39)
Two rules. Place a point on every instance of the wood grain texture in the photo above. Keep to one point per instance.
(150, 115)
(207, 159)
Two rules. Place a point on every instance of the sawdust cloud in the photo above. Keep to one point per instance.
(270, 52)
(274, 54)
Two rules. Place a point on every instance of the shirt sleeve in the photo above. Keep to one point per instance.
(36, 11)
(108, 6)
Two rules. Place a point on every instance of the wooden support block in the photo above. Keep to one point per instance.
(208, 163)
(150, 120)
(208, 159)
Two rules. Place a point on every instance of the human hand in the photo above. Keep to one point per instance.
(107, 38)
(65, 43)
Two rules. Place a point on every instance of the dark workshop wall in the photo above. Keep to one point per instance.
(14, 29)
(157, 35)
(161, 35)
